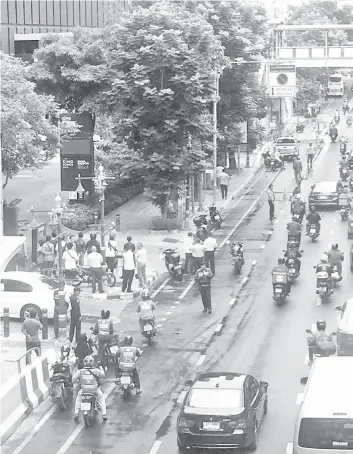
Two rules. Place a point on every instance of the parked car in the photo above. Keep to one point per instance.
(345, 328)
(222, 410)
(324, 194)
(288, 147)
(21, 291)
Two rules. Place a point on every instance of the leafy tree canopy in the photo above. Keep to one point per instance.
(27, 132)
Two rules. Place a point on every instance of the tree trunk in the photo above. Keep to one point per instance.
(200, 198)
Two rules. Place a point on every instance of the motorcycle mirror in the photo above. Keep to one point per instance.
(188, 383)
(338, 308)
(308, 331)
(304, 380)
(333, 333)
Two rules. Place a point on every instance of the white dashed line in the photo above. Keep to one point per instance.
(263, 246)
(306, 360)
(177, 302)
(334, 220)
(290, 448)
(201, 360)
(232, 302)
(155, 447)
(172, 307)
(161, 287)
(159, 326)
(300, 398)
(181, 397)
(244, 280)
(187, 289)
(163, 319)
(168, 313)
(332, 232)
(254, 262)
(218, 328)
(318, 301)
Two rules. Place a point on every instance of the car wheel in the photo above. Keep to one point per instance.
(26, 309)
(253, 445)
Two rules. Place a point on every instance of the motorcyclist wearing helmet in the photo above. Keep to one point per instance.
(89, 378)
(105, 330)
(324, 266)
(313, 218)
(335, 258)
(145, 308)
(293, 253)
(274, 154)
(294, 231)
(333, 131)
(82, 349)
(281, 268)
(298, 168)
(127, 354)
(298, 206)
(322, 341)
(343, 162)
(237, 249)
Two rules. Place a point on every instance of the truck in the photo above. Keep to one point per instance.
(288, 147)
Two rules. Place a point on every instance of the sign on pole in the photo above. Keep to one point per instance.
(282, 81)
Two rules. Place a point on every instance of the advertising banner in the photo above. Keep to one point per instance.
(71, 166)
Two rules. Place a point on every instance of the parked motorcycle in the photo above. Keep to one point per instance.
(322, 285)
(344, 213)
(216, 218)
(148, 330)
(344, 173)
(313, 234)
(84, 276)
(275, 165)
(61, 384)
(172, 262)
(320, 348)
(280, 292)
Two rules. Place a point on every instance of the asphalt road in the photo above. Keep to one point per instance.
(254, 335)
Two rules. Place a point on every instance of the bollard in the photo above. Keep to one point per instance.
(117, 222)
(6, 322)
(284, 195)
(45, 323)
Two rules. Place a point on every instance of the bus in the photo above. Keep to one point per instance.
(335, 85)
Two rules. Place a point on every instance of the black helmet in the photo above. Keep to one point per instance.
(128, 340)
(281, 261)
(321, 325)
(105, 314)
(335, 246)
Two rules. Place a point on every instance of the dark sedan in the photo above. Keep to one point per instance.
(324, 194)
(222, 411)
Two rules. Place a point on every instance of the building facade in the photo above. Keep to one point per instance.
(23, 21)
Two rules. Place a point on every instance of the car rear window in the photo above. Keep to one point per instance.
(50, 282)
(216, 398)
(286, 141)
(326, 433)
(335, 79)
(12, 285)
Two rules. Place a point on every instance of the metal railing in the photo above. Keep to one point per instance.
(25, 355)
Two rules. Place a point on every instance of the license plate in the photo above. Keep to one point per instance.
(125, 380)
(279, 278)
(216, 217)
(148, 328)
(211, 426)
(312, 231)
(335, 275)
(322, 289)
(177, 267)
(278, 290)
(322, 197)
(85, 406)
(291, 272)
(114, 349)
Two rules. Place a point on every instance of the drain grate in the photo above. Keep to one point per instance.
(171, 240)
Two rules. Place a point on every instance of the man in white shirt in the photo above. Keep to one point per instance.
(129, 264)
(95, 262)
(210, 245)
(188, 242)
(70, 258)
(141, 259)
(197, 252)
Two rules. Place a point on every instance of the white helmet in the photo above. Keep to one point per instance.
(324, 258)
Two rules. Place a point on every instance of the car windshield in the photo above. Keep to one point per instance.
(50, 282)
(326, 433)
(335, 79)
(286, 140)
(216, 398)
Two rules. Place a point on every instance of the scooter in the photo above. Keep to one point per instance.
(61, 384)
(343, 148)
(173, 263)
(328, 350)
(237, 258)
(280, 292)
(148, 330)
(322, 285)
(344, 173)
(275, 165)
(337, 119)
(84, 276)
(349, 122)
(89, 408)
(293, 272)
(216, 218)
(313, 232)
(333, 137)
(297, 216)
(344, 213)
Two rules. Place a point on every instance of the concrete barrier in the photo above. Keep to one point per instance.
(22, 394)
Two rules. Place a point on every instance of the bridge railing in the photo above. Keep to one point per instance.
(315, 52)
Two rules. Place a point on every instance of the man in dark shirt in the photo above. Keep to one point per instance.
(30, 328)
(129, 245)
(93, 242)
(80, 244)
(75, 324)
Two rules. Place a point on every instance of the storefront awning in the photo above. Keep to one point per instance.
(9, 246)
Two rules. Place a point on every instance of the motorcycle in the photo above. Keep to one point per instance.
(300, 127)
(337, 119)
(344, 173)
(280, 292)
(322, 285)
(326, 348)
(313, 232)
(349, 122)
(172, 262)
(293, 239)
(343, 148)
(333, 137)
(344, 213)
(293, 272)
(297, 216)
(61, 384)
(275, 165)
(335, 276)
(148, 330)
(89, 408)
(237, 259)
(215, 216)
(84, 276)
(350, 183)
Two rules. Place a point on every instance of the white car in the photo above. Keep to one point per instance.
(21, 291)
(345, 328)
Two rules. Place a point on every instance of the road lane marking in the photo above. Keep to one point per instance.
(172, 307)
(300, 398)
(35, 429)
(168, 313)
(155, 447)
(181, 397)
(81, 426)
(176, 302)
(218, 328)
(244, 280)
(201, 360)
(334, 220)
(313, 327)
(159, 326)
(306, 360)
(263, 245)
(318, 301)
(163, 319)
(290, 448)
(232, 302)
(161, 287)
(187, 289)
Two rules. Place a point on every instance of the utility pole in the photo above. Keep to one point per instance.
(215, 133)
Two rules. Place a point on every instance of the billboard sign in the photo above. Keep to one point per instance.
(71, 167)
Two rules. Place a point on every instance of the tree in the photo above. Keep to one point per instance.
(160, 71)
(27, 132)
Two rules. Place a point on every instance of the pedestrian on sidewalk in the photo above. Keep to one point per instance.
(111, 252)
(188, 242)
(80, 244)
(197, 253)
(219, 170)
(224, 183)
(210, 245)
(129, 265)
(129, 244)
(70, 259)
(75, 324)
(93, 242)
(95, 262)
(48, 253)
(271, 201)
(30, 328)
(113, 230)
(141, 260)
(203, 277)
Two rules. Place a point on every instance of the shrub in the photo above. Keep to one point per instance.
(119, 193)
(77, 217)
(159, 223)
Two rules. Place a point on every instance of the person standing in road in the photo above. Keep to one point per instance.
(129, 265)
(75, 324)
(197, 253)
(271, 201)
(188, 242)
(141, 260)
(203, 277)
(224, 183)
(30, 328)
(95, 262)
(111, 252)
(80, 244)
(210, 245)
(129, 244)
(310, 156)
(93, 242)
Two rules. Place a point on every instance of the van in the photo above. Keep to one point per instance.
(325, 419)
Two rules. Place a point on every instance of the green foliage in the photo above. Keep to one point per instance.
(161, 223)
(27, 134)
(121, 192)
(77, 217)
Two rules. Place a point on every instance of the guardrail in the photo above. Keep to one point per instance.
(29, 352)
